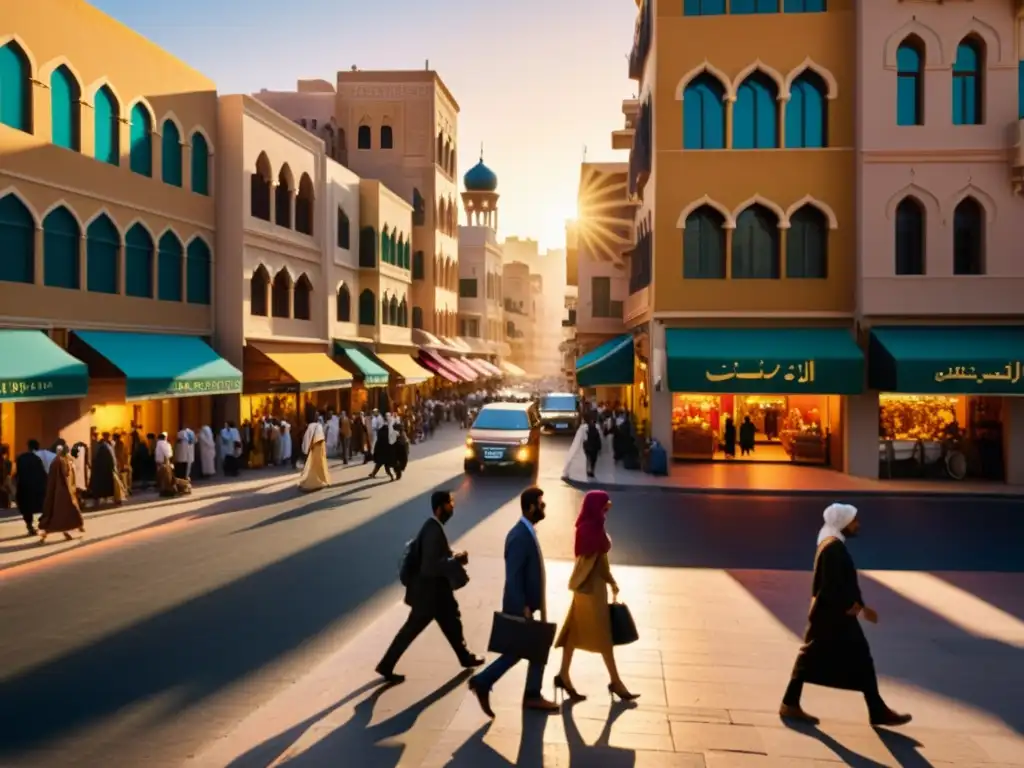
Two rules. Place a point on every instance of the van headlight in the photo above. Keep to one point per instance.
(525, 441)
(523, 454)
(469, 440)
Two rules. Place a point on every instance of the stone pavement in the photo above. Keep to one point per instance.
(714, 657)
(750, 478)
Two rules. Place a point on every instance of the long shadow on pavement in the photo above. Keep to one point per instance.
(259, 618)
(1004, 594)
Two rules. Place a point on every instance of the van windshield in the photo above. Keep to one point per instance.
(558, 403)
(494, 418)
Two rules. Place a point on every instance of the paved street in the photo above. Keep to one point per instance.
(246, 635)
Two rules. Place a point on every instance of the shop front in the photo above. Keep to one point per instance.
(466, 372)
(763, 394)
(41, 387)
(370, 389)
(284, 382)
(440, 366)
(607, 372)
(151, 382)
(947, 398)
(407, 377)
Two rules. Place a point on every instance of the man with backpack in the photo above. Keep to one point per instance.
(431, 573)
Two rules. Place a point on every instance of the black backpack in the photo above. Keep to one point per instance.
(410, 566)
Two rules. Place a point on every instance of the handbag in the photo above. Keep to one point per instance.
(623, 627)
(521, 638)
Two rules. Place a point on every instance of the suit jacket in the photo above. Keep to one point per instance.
(524, 574)
(437, 566)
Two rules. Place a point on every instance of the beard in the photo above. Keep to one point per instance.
(445, 515)
(538, 515)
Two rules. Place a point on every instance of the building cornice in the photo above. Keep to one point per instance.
(944, 155)
(275, 121)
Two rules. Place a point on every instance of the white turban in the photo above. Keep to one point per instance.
(837, 517)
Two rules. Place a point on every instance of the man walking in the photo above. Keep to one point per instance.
(524, 595)
(429, 593)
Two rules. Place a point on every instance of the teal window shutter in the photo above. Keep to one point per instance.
(65, 109)
(704, 113)
(807, 244)
(61, 238)
(17, 241)
(171, 162)
(200, 164)
(102, 243)
(197, 272)
(704, 244)
(106, 119)
(15, 88)
(755, 244)
(169, 257)
(755, 114)
(910, 82)
(967, 84)
(138, 262)
(141, 149)
(807, 112)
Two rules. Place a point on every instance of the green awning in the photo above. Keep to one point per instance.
(33, 367)
(158, 366)
(777, 361)
(960, 360)
(372, 373)
(609, 365)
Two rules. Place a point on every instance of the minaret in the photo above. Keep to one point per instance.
(480, 199)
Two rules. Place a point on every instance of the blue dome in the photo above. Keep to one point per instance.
(480, 178)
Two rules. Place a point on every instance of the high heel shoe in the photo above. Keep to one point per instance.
(619, 690)
(567, 690)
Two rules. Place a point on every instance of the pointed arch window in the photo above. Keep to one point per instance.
(281, 295)
(61, 239)
(198, 264)
(17, 241)
(170, 256)
(393, 311)
(704, 113)
(704, 245)
(171, 159)
(343, 310)
(419, 209)
(140, 152)
(807, 244)
(200, 164)
(969, 238)
(106, 119)
(15, 88)
(102, 249)
(968, 83)
(283, 198)
(385, 313)
(417, 317)
(910, 229)
(259, 189)
(364, 137)
(302, 300)
(139, 255)
(703, 7)
(305, 205)
(807, 112)
(755, 121)
(367, 307)
(259, 288)
(403, 314)
(387, 137)
(344, 230)
(910, 82)
(755, 244)
(418, 271)
(66, 109)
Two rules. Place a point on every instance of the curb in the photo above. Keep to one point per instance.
(789, 493)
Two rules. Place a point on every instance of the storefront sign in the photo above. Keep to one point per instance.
(16, 388)
(800, 373)
(1009, 374)
(206, 387)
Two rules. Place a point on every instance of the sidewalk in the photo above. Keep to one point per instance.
(714, 657)
(764, 479)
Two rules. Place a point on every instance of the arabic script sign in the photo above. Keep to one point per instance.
(1010, 374)
(799, 373)
(205, 386)
(20, 388)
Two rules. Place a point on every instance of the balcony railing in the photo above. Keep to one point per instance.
(610, 311)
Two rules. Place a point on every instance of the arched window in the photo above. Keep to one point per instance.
(407, 254)
(344, 230)
(417, 266)
(106, 121)
(439, 149)
(453, 161)
(393, 311)
(139, 254)
(385, 245)
(367, 307)
(400, 253)
(755, 244)
(910, 82)
(102, 248)
(301, 303)
(968, 83)
(281, 295)
(807, 244)
(755, 120)
(442, 215)
(140, 158)
(259, 188)
(197, 272)
(910, 238)
(807, 112)
(283, 198)
(344, 304)
(305, 206)
(417, 317)
(704, 113)
(17, 241)
(200, 164)
(969, 238)
(61, 236)
(385, 307)
(419, 209)
(364, 137)
(66, 109)
(387, 137)
(170, 162)
(15, 88)
(367, 247)
(403, 314)
(170, 256)
(259, 286)
(704, 245)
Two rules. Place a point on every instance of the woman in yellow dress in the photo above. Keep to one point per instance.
(588, 625)
(315, 474)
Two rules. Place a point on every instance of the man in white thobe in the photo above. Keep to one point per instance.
(333, 431)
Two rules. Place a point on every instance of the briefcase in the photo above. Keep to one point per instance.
(521, 638)
(623, 627)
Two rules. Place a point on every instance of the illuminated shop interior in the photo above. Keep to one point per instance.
(788, 428)
(152, 416)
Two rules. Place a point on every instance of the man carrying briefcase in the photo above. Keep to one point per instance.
(523, 596)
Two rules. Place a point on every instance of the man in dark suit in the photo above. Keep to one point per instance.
(524, 595)
(429, 593)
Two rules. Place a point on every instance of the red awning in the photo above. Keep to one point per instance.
(477, 366)
(437, 364)
(468, 373)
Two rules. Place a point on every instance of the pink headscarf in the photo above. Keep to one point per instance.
(591, 537)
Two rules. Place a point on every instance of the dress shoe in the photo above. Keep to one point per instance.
(471, 661)
(389, 675)
(483, 696)
(540, 704)
(890, 718)
(797, 714)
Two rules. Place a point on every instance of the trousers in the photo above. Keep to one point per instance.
(443, 609)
